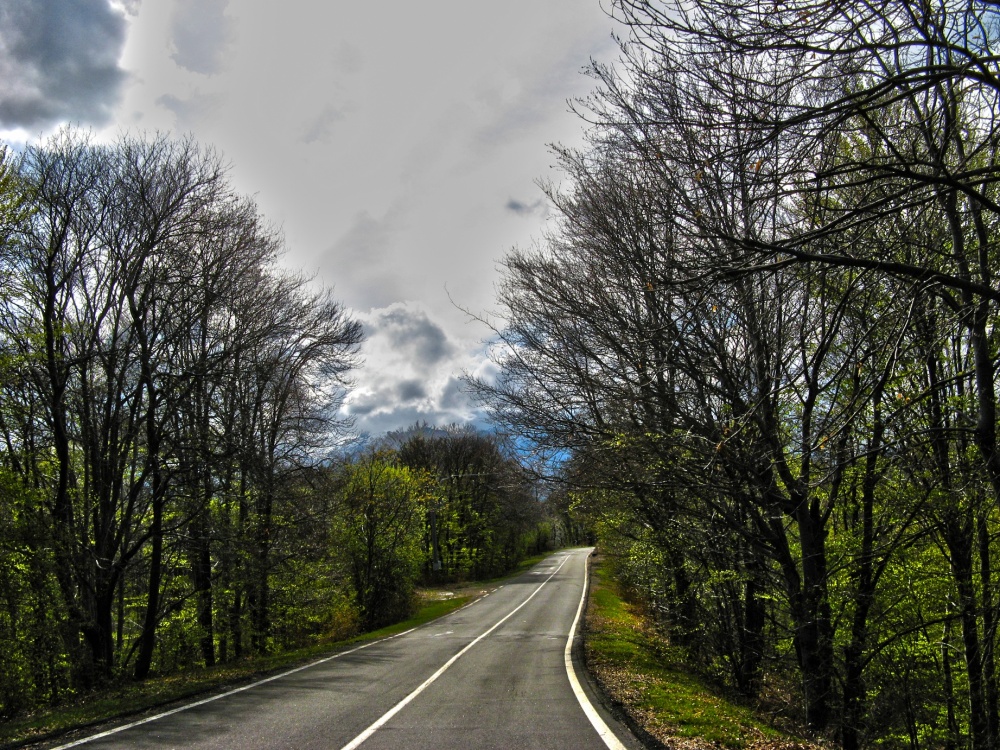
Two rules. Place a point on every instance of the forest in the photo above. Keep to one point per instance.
(761, 333)
(176, 489)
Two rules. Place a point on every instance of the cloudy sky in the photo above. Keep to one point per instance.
(396, 143)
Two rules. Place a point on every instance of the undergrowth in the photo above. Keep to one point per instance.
(647, 679)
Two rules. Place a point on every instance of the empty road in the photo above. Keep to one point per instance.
(494, 674)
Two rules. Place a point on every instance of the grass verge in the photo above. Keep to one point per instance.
(646, 679)
(135, 699)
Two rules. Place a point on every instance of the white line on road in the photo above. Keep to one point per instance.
(227, 694)
(356, 742)
(600, 727)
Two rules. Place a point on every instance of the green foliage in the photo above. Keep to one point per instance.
(166, 393)
(382, 521)
(128, 699)
(34, 667)
(763, 334)
(483, 511)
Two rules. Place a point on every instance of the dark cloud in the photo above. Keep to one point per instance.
(59, 61)
(525, 209)
(454, 395)
(362, 408)
(200, 32)
(410, 330)
(411, 390)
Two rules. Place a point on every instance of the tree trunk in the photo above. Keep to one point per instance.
(147, 640)
(813, 628)
(202, 579)
(259, 604)
(752, 637)
(959, 539)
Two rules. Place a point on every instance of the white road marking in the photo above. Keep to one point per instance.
(227, 694)
(596, 721)
(356, 742)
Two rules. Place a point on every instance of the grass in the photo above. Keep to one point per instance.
(136, 698)
(648, 680)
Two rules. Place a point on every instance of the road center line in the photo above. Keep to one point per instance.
(596, 721)
(356, 742)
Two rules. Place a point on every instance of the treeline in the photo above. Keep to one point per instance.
(169, 491)
(764, 332)
(437, 505)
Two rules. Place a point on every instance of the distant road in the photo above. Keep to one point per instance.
(494, 674)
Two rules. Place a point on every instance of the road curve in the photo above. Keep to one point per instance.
(494, 674)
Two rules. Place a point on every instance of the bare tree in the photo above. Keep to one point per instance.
(167, 355)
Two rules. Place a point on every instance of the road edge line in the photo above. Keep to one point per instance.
(600, 726)
(203, 701)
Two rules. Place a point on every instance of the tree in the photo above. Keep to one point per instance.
(730, 325)
(383, 508)
(485, 505)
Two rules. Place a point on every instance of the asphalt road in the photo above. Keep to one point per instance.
(494, 674)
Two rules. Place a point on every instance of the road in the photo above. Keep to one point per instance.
(495, 674)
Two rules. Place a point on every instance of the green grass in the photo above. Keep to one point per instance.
(648, 678)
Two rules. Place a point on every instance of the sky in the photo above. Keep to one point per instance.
(396, 144)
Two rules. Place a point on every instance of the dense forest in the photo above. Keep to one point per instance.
(175, 487)
(762, 334)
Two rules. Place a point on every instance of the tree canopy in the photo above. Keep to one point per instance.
(763, 327)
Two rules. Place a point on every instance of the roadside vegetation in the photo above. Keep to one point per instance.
(130, 700)
(659, 691)
(758, 350)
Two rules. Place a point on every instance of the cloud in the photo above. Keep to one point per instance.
(454, 395)
(321, 128)
(413, 332)
(200, 33)
(526, 209)
(189, 111)
(411, 390)
(59, 61)
(371, 277)
(409, 372)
